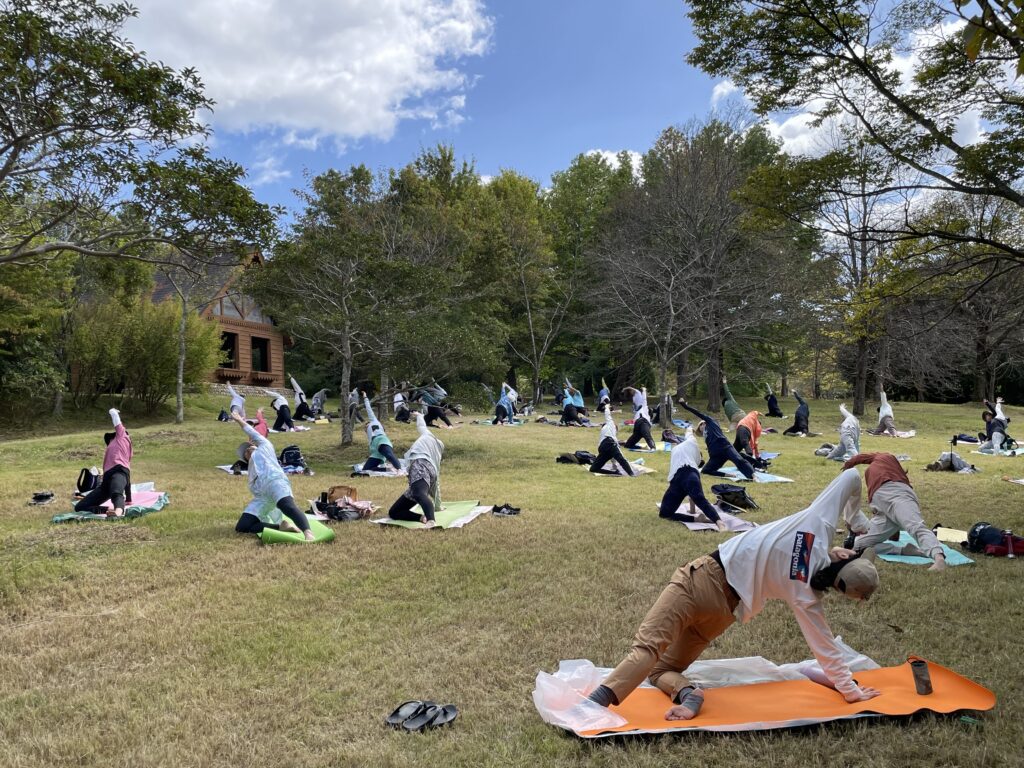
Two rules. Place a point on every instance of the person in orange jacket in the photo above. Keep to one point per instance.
(747, 433)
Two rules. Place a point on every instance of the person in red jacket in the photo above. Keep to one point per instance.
(896, 508)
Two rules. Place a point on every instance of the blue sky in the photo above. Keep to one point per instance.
(521, 84)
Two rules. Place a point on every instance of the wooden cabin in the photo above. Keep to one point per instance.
(253, 348)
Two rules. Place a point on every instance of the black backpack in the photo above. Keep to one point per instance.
(734, 496)
(982, 535)
(223, 415)
(291, 456)
(88, 479)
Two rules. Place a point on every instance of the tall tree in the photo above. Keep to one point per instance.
(900, 71)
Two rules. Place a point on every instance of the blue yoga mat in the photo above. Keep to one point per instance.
(952, 556)
(769, 455)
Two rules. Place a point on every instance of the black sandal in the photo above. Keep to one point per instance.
(422, 719)
(404, 711)
(445, 717)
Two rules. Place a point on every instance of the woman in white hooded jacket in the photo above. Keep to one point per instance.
(424, 489)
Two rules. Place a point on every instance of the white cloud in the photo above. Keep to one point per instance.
(267, 171)
(321, 69)
(612, 158)
(723, 90)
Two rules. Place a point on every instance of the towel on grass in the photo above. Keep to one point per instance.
(638, 469)
(143, 502)
(453, 514)
(759, 477)
(949, 535)
(734, 523)
(990, 452)
(952, 556)
(389, 472)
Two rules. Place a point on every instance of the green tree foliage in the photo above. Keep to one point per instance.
(133, 351)
(898, 71)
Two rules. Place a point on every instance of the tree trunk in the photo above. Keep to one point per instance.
(58, 402)
(536, 386)
(714, 381)
(665, 416)
(382, 406)
(981, 364)
(860, 385)
(784, 388)
(682, 373)
(346, 386)
(179, 415)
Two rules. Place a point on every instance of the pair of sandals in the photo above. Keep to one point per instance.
(417, 716)
(506, 510)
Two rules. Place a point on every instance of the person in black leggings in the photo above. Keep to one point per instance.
(720, 450)
(424, 489)
(608, 448)
(641, 429)
(801, 419)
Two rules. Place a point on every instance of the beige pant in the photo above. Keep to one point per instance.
(896, 508)
(695, 608)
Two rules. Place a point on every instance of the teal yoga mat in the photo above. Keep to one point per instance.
(321, 535)
(952, 556)
(131, 511)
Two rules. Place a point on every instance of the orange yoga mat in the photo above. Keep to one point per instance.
(801, 702)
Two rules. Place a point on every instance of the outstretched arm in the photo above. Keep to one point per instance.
(115, 418)
(695, 412)
(860, 458)
(255, 436)
(882, 398)
(846, 413)
(421, 424)
(370, 415)
(769, 388)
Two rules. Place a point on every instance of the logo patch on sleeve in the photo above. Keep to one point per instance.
(800, 563)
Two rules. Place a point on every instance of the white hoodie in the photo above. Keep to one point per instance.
(279, 399)
(684, 454)
(884, 408)
(850, 428)
(609, 428)
(236, 399)
(777, 560)
(299, 394)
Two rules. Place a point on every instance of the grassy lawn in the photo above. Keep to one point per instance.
(171, 640)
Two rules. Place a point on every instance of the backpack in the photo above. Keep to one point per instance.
(88, 480)
(223, 415)
(983, 535)
(291, 456)
(585, 457)
(734, 496)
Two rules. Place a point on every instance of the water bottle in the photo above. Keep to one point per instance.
(1009, 544)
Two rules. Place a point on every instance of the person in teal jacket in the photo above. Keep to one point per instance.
(381, 449)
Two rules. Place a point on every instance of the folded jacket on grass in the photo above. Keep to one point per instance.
(143, 502)
(789, 703)
(321, 534)
(759, 477)
(453, 514)
(952, 556)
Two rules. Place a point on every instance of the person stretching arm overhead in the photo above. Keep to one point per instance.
(720, 450)
(116, 484)
(608, 449)
(683, 482)
(424, 489)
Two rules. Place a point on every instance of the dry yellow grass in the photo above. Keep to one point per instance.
(173, 641)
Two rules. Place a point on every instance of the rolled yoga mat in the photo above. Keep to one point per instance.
(321, 535)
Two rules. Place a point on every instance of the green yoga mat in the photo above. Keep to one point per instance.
(321, 534)
(453, 512)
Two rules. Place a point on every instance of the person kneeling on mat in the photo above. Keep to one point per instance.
(424, 478)
(608, 449)
(789, 560)
(116, 485)
(380, 444)
(683, 481)
(271, 491)
(641, 429)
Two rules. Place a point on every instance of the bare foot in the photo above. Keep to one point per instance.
(687, 711)
(308, 535)
(722, 526)
(288, 525)
(116, 513)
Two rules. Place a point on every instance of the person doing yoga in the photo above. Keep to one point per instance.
(801, 419)
(886, 425)
(302, 409)
(424, 489)
(720, 450)
(283, 422)
(608, 449)
(732, 409)
(381, 449)
(683, 482)
(272, 498)
(773, 404)
(116, 483)
(789, 560)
